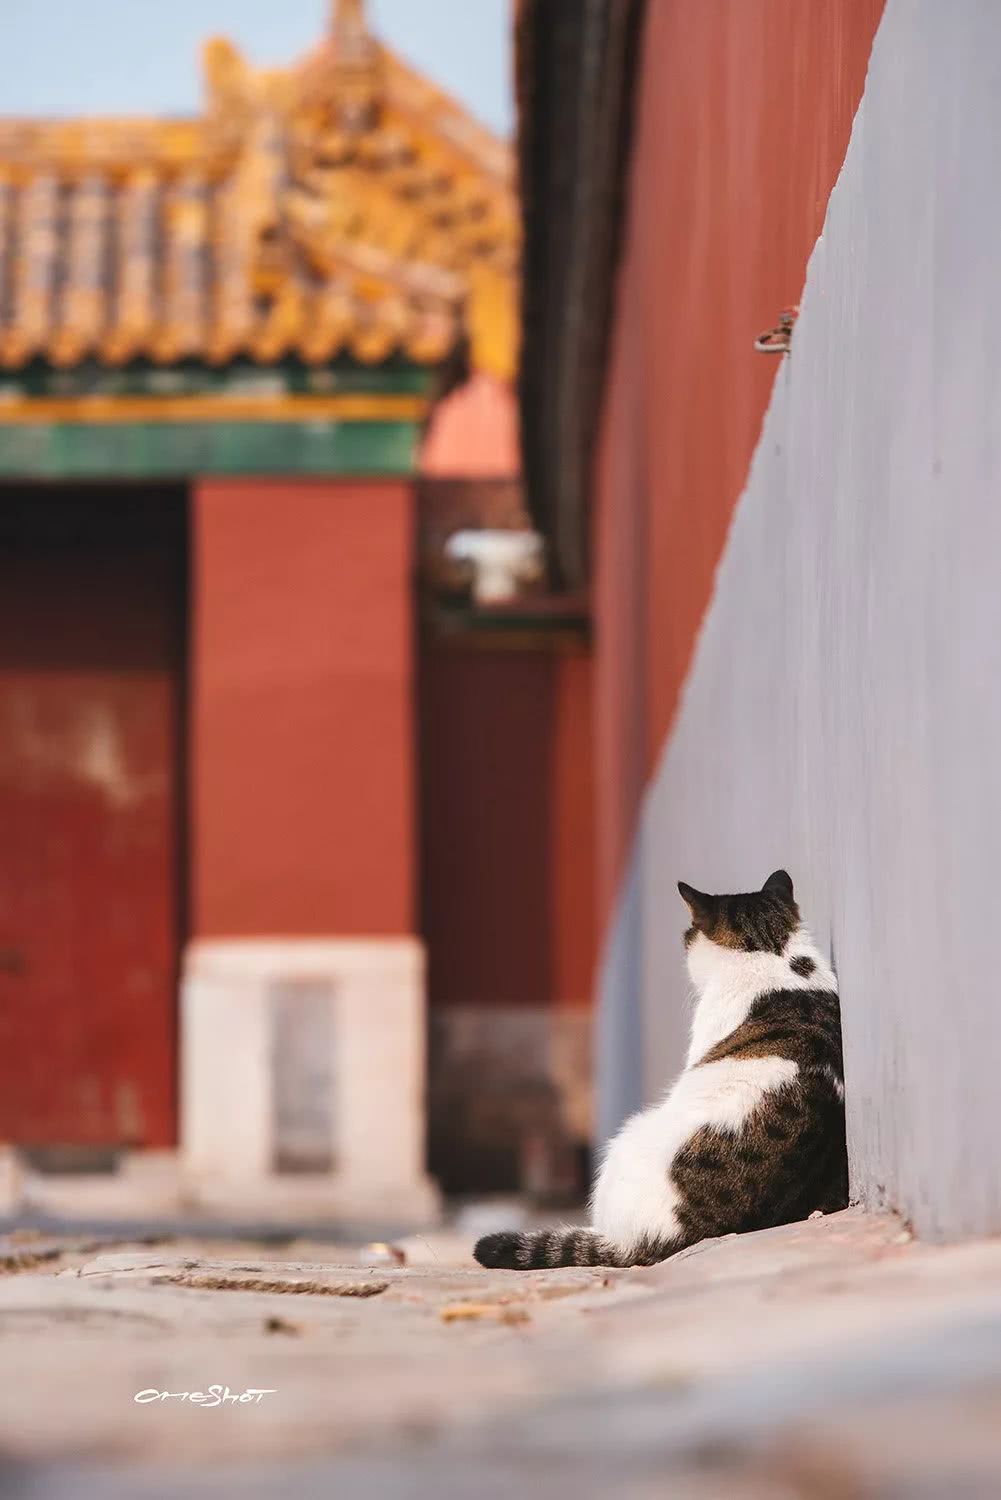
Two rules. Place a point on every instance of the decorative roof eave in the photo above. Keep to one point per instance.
(344, 206)
(452, 129)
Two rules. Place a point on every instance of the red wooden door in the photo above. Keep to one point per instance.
(91, 676)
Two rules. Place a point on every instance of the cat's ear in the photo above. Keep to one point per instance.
(779, 883)
(699, 904)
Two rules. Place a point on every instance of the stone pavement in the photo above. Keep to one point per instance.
(836, 1359)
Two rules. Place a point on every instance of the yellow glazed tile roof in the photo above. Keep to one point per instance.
(341, 206)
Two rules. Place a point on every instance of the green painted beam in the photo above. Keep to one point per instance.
(168, 450)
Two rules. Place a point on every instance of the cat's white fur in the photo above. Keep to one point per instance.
(634, 1196)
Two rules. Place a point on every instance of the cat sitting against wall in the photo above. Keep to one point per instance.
(752, 1134)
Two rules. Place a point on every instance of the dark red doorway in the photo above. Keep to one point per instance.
(92, 666)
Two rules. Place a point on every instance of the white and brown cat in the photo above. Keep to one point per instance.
(752, 1133)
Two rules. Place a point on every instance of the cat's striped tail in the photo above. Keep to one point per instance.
(544, 1248)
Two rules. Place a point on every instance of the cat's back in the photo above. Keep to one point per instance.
(801, 1024)
(789, 1156)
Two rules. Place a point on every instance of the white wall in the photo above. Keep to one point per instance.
(843, 713)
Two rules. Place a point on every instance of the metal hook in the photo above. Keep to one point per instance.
(778, 340)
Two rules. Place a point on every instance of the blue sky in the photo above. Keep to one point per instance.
(65, 57)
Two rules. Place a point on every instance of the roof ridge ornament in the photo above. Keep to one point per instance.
(355, 66)
(348, 17)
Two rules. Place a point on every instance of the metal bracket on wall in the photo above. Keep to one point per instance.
(778, 340)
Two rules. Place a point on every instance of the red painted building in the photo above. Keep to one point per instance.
(270, 778)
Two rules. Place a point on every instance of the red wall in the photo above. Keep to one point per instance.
(92, 584)
(507, 877)
(302, 737)
(743, 118)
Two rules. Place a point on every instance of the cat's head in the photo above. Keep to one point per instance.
(754, 922)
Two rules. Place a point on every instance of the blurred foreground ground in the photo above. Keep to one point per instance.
(837, 1359)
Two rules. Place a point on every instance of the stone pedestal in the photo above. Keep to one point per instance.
(302, 1079)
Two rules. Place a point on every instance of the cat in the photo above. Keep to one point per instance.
(752, 1134)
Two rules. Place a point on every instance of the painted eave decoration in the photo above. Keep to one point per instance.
(340, 210)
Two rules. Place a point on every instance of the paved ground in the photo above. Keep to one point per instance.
(836, 1359)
